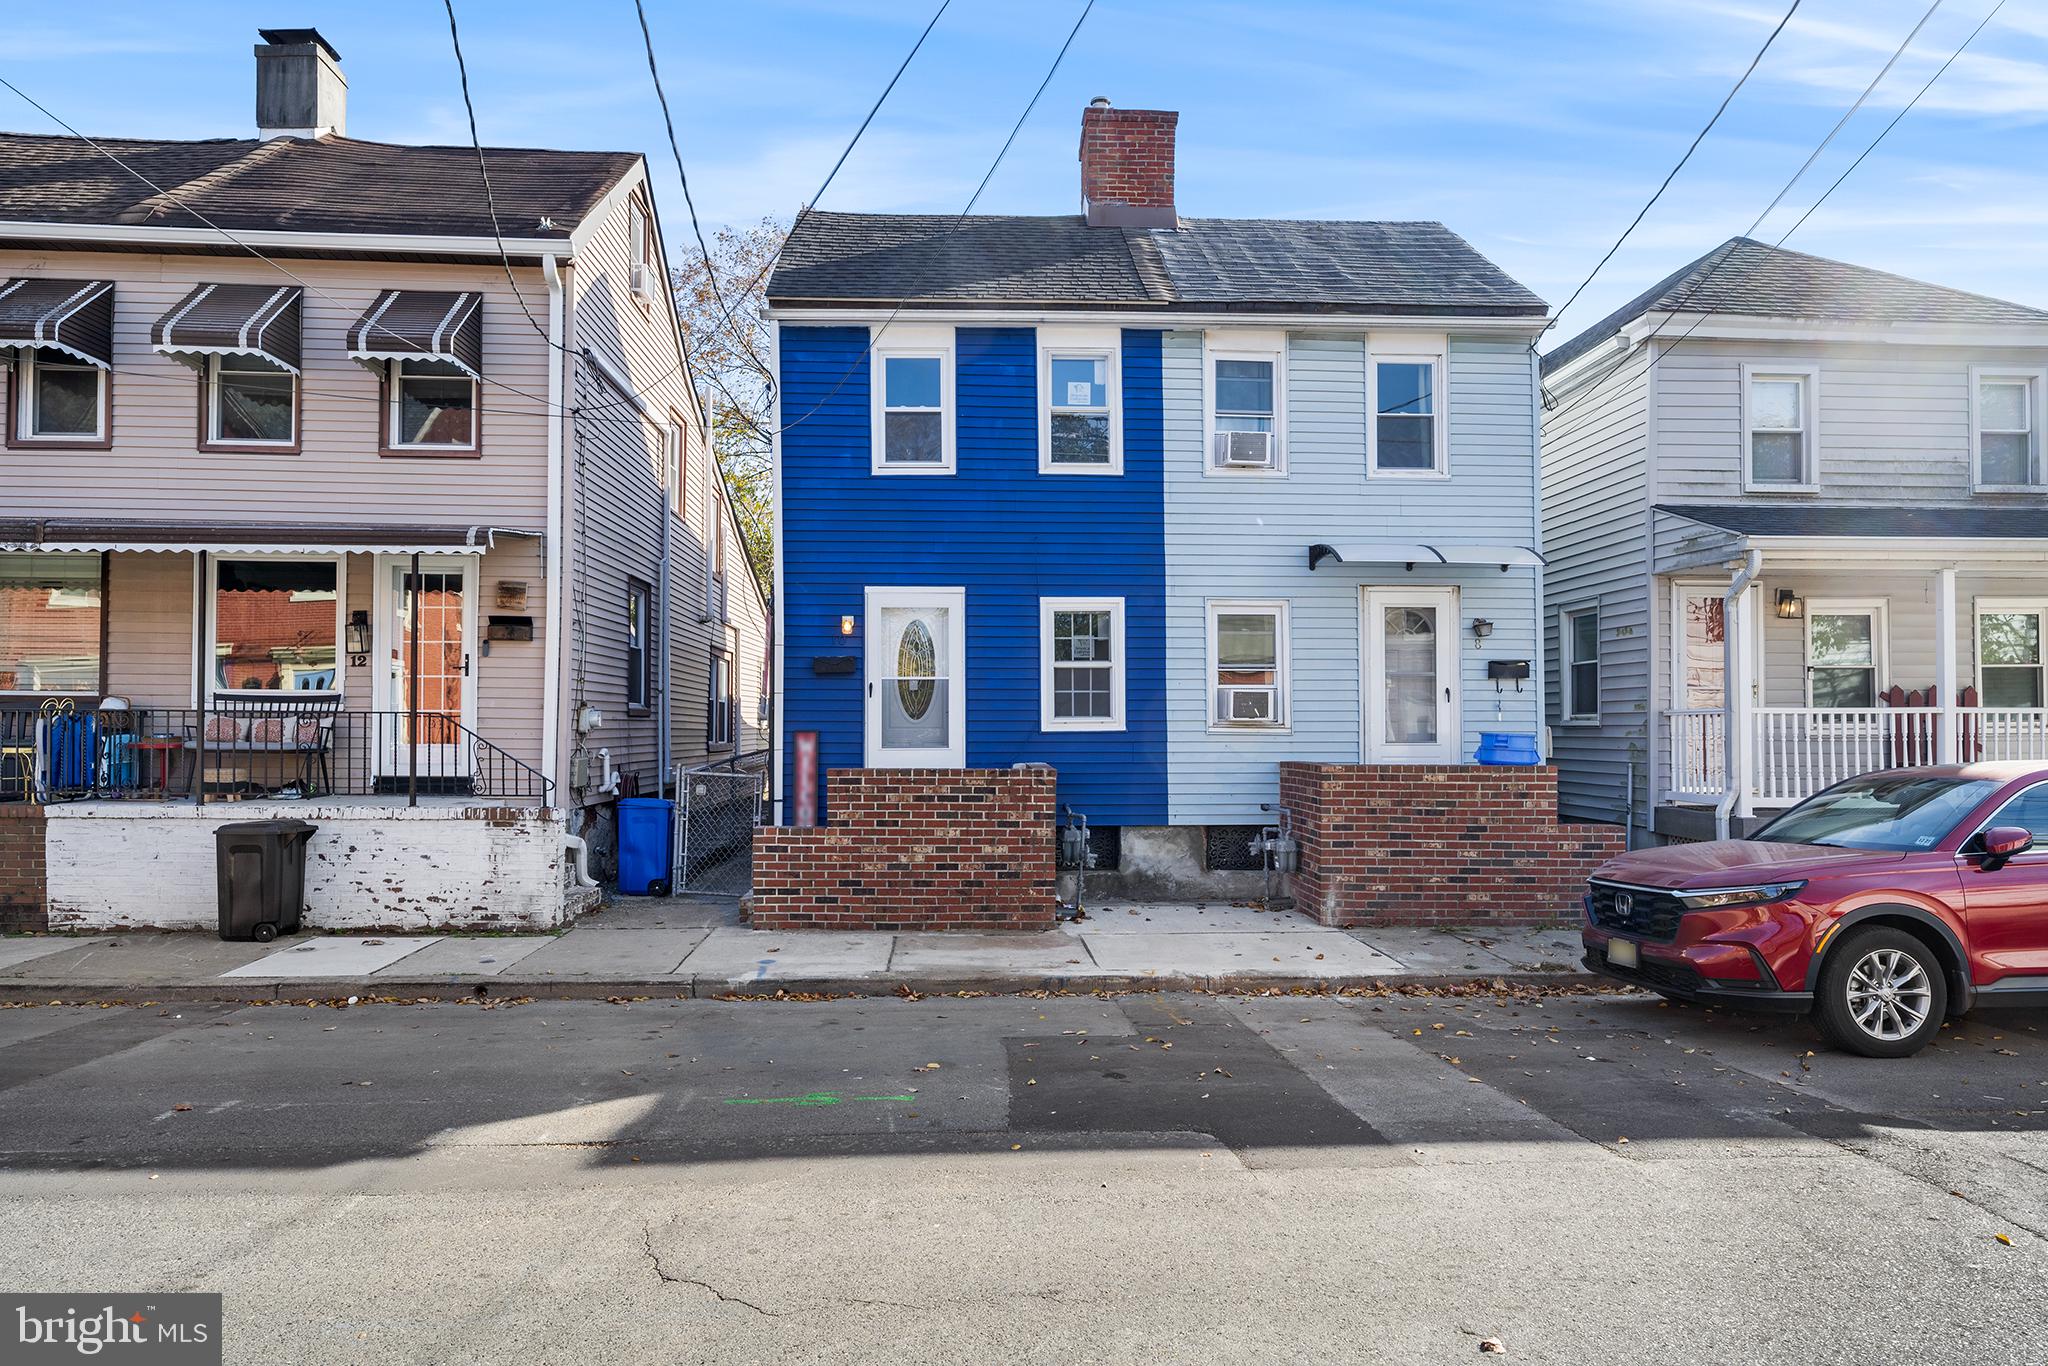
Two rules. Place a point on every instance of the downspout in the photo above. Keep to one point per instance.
(1731, 632)
(551, 682)
(663, 715)
(776, 624)
(1541, 689)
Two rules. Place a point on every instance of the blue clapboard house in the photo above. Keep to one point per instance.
(1160, 502)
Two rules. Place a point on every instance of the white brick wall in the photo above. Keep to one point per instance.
(127, 866)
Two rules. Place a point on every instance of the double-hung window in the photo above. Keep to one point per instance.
(433, 406)
(1581, 645)
(1080, 428)
(61, 398)
(2005, 428)
(1247, 404)
(1248, 665)
(639, 659)
(1780, 406)
(2009, 653)
(1845, 653)
(1081, 670)
(718, 703)
(50, 612)
(1407, 434)
(913, 411)
(251, 402)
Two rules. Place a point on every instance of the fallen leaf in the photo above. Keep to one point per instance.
(1493, 1346)
(2003, 1239)
(181, 1107)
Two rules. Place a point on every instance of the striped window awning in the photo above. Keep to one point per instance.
(75, 317)
(261, 321)
(422, 324)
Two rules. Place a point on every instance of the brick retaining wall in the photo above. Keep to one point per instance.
(24, 878)
(914, 849)
(1416, 844)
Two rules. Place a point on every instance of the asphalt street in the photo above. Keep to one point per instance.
(1066, 1179)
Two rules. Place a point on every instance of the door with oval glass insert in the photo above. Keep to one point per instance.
(916, 678)
(1411, 675)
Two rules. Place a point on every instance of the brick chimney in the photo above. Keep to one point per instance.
(1127, 166)
(300, 92)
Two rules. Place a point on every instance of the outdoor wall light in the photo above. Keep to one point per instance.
(846, 626)
(1481, 627)
(359, 633)
(1790, 605)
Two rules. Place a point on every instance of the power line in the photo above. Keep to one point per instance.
(484, 171)
(875, 334)
(1635, 222)
(1695, 286)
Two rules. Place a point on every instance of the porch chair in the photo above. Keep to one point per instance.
(289, 724)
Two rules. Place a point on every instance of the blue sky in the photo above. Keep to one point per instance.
(1535, 130)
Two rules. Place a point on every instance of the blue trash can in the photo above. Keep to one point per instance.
(1504, 748)
(646, 829)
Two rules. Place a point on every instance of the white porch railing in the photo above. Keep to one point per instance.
(1796, 751)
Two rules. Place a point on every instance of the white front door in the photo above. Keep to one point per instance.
(439, 685)
(1411, 675)
(916, 677)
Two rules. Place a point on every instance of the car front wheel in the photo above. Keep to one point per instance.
(1882, 994)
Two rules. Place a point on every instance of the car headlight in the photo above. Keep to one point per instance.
(1719, 898)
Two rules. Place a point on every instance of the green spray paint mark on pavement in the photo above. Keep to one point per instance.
(809, 1098)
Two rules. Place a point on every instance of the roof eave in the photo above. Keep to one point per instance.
(87, 236)
(1186, 314)
(1670, 326)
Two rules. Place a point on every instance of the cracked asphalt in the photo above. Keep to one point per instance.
(1071, 1179)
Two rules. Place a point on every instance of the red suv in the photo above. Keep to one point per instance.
(1883, 905)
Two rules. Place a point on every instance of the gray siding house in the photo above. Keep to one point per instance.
(1796, 524)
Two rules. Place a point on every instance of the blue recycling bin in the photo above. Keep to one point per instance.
(1504, 749)
(646, 832)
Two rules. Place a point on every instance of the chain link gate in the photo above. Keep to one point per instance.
(717, 808)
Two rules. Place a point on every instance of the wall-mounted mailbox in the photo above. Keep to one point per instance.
(827, 665)
(1507, 670)
(509, 628)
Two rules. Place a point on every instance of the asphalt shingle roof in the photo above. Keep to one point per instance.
(1902, 523)
(1752, 278)
(1207, 264)
(301, 185)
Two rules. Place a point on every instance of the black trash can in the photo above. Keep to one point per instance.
(262, 871)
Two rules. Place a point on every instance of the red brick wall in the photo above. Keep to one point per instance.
(1414, 844)
(1127, 156)
(914, 849)
(24, 888)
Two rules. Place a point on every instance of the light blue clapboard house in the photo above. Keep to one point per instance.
(1161, 502)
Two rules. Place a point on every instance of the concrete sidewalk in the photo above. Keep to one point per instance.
(697, 947)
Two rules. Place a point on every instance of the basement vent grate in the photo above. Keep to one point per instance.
(1228, 848)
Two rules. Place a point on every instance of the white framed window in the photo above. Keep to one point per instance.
(273, 624)
(433, 406)
(718, 704)
(1407, 437)
(1248, 666)
(639, 659)
(1246, 426)
(61, 398)
(1845, 653)
(913, 410)
(2010, 660)
(1579, 643)
(1781, 428)
(50, 622)
(250, 402)
(640, 243)
(1080, 408)
(2005, 428)
(1081, 663)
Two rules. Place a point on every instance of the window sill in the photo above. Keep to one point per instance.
(1748, 487)
(60, 443)
(1052, 467)
(1577, 723)
(1217, 472)
(429, 453)
(1427, 476)
(1243, 728)
(251, 447)
(911, 469)
(1080, 727)
(2009, 488)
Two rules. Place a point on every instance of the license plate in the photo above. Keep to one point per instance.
(1621, 953)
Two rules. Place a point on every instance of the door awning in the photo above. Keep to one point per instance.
(1413, 553)
(233, 320)
(57, 535)
(422, 324)
(72, 316)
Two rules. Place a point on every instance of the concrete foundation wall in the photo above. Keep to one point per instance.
(1166, 863)
(124, 866)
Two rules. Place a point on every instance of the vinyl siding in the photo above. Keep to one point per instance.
(997, 528)
(1230, 537)
(1594, 531)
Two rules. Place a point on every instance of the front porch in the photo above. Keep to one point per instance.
(1841, 657)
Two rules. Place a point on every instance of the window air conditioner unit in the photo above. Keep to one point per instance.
(642, 280)
(1244, 450)
(1247, 704)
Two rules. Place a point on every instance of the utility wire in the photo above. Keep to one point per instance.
(1695, 286)
(1636, 222)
